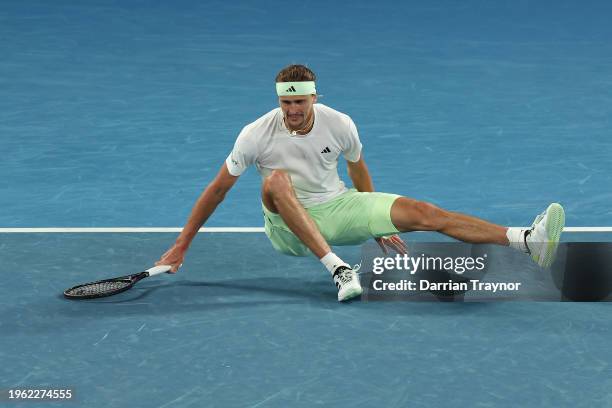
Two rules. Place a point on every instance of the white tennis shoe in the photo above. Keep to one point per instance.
(543, 237)
(347, 282)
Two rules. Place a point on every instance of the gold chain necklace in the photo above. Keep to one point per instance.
(303, 130)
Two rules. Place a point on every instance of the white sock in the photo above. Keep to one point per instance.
(516, 236)
(332, 261)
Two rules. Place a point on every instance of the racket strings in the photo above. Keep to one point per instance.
(97, 288)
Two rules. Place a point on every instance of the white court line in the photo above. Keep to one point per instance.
(587, 229)
(126, 229)
(205, 229)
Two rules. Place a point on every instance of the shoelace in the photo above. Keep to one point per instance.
(538, 218)
(344, 276)
(533, 228)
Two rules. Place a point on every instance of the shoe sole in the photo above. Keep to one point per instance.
(554, 227)
(351, 294)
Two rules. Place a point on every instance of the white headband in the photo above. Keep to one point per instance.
(295, 88)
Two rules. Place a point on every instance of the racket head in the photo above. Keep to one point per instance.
(103, 288)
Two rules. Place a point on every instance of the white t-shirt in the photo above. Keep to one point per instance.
(311, 160)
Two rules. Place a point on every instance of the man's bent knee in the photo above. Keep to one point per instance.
(277, 182)
(274, 186)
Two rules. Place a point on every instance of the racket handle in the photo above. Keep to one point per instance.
(156, 270)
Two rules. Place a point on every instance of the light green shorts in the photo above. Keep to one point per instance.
(349, 219)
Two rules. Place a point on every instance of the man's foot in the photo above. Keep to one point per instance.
(347, 282)
(543, 238)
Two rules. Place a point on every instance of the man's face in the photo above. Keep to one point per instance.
(297, 109)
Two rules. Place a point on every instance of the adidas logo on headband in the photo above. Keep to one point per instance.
(295, 88)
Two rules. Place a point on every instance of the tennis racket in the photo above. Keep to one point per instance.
(109, 287)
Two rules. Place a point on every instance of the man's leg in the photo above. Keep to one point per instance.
(412, 215)
(540, 241)
(279, 197)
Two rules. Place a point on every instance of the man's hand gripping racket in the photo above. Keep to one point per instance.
(113, 286)
(173, 257)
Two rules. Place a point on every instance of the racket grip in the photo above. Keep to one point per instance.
(156, 270)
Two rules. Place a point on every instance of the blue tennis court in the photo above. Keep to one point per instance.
(117, 114)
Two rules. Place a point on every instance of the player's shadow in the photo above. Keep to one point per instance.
(158, 298)
(185, 296)
(262, 289)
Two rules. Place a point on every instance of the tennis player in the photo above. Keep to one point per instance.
(307, 208)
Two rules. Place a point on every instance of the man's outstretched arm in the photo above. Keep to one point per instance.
(206, 204)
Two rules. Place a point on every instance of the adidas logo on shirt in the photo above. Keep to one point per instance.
(326, 150)
(292, 89)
